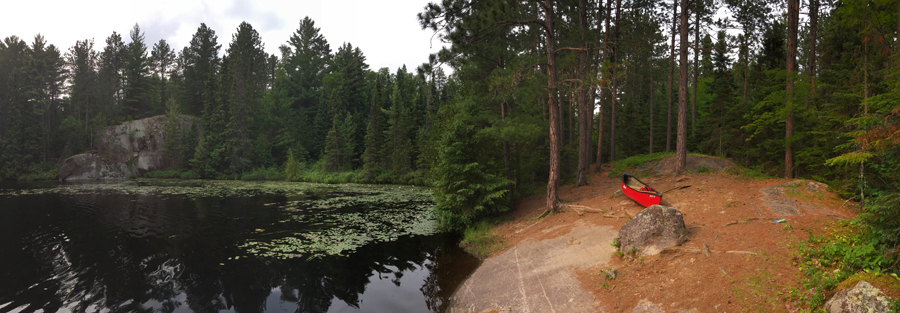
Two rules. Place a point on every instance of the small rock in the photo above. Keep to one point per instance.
(862, 298)
(611, 273)
(681, 179)
(645, 306)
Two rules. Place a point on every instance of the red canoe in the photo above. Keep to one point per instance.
(639, 191)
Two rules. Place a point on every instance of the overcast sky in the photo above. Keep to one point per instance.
(386, 31)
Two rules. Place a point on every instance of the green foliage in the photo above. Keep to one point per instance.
(882, 217)
(480, 241)
(263, 174)
(70, 133)
(850, 158)
(830, 259)
(466, 187)
(292, 167)
(41, 171)
(629, 164)
(172, 128)
(747, 173)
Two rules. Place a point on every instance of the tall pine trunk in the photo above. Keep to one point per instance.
(681, 144)
(746, 65)
(793, 16)
(671, 77)
(813, 32)
(696, 68)
(584, 107)
(615, 86)
(549, 34)
(651, 112)
(604, 55)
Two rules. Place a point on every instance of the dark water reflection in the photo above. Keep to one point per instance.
(169, 253)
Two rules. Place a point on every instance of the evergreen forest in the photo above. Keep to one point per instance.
(526, 95)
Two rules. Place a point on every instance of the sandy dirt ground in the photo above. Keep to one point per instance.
(748, 268)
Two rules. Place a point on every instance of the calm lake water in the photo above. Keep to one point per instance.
(204, 246)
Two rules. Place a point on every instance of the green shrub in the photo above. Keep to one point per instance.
(480, 241)
(189, 175)
(466, 186)
(263, 174)
(827, 260)
(41, 171)
(292, 167)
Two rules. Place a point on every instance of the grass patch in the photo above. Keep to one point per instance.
(746, 173)
(631, 163)
(479, 241)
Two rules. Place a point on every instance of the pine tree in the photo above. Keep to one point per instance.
(172, 139)
(136, 71)
(244, 86)
(305, 59)
(162, 60)
(200, 62)
(335, 151)
(398, 144)
(111, 80)
(84, 90)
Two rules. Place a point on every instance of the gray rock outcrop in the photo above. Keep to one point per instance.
(775, 197)
(652, 230)
(862, 298)
(125, 150)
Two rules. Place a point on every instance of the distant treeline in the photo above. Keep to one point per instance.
(311, 104)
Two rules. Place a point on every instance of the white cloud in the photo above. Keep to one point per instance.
(386, 31)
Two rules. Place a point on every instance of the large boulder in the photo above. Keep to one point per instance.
(126, 150)
(862, 298)
(652, 230)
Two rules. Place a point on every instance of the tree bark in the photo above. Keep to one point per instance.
(696, 68)
(651, 112)
(553, 181)
(746, 46)
(681, 144)
(671, 77)
(615, 86)
(602, 107)
(813, 32)
(585, 114)
(793, 16)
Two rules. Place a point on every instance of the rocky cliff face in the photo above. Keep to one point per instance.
(126, 150)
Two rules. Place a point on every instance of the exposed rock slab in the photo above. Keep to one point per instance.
(125, 150)
(652, 230)
(862, 298)
(775, 197)
(538, 276)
